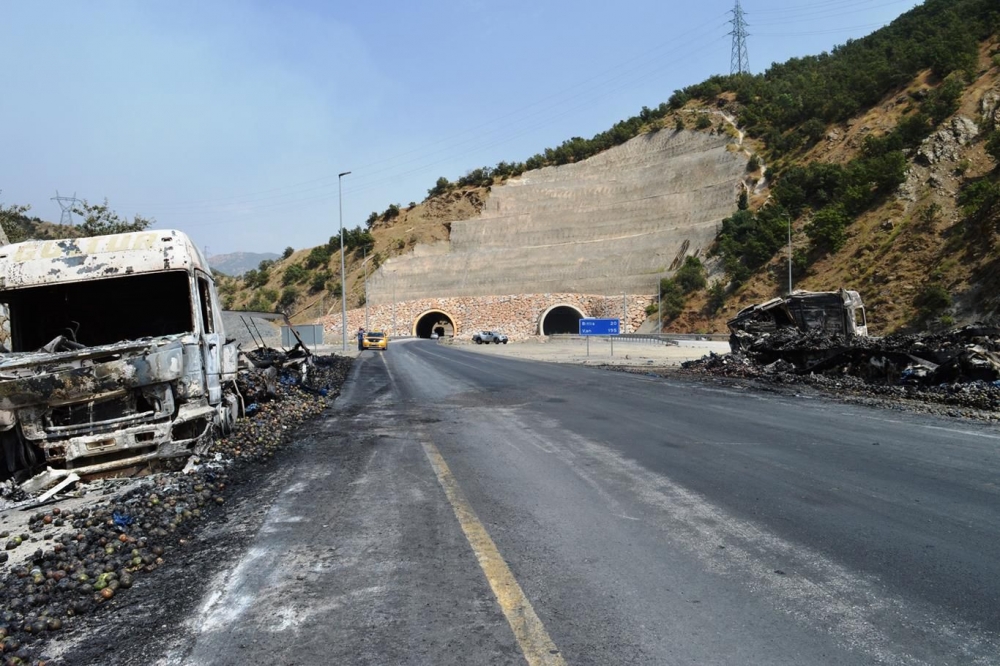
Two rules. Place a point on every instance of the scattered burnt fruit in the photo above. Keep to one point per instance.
(98, 553)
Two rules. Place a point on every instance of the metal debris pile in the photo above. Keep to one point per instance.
(959, 367)
(68, 563)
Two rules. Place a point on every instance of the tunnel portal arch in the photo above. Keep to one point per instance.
(434, 321)
(561, 318)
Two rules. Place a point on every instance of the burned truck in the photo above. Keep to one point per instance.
(116, 354)
(835, 313)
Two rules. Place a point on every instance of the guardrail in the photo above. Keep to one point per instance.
(649, 338)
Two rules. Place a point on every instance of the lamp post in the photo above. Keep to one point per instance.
(364, 264)
(624, 313)
(789, 254)
(659, 308)
(343, 272)
(393, 303)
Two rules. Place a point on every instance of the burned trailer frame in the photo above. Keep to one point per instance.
(116, 354)
(836, 313)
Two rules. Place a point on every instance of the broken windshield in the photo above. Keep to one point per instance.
(100, 312)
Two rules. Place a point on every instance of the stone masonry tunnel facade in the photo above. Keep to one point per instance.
(432, 321)
(520, 316)
(589, 235)
(562, 318)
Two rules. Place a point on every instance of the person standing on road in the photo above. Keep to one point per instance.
(361, 339)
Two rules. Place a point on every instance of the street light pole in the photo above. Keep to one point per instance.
(364, 262)
(624, 313)
(393, 303)
(343, 272)
(789, 254)
(659, 309)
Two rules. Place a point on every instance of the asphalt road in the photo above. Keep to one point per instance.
(456, 508)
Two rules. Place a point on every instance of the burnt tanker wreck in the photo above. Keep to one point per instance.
(116, 354)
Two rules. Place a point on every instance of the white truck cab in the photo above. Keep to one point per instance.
(116, 353)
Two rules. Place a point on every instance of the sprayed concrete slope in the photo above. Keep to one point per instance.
(610, 224)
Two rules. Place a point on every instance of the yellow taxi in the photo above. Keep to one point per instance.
(375, 340)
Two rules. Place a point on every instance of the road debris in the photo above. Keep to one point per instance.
(61, 564)
(959, 367)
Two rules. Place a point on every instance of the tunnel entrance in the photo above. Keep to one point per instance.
(434, 321)
(560, 319)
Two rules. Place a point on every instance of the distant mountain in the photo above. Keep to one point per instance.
(238, 263)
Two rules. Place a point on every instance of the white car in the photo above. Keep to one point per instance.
(486, 337)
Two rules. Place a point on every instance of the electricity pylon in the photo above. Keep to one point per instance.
(740, 62)
(66, 204)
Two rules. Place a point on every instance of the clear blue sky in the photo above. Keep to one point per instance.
(231, 120)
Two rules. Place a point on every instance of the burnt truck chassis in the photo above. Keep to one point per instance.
(95, 409)
(139, 368)
(826, 333)
(839, 314)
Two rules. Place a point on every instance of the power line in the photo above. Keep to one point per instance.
(740, 61)
(597, 82)
(422, 167)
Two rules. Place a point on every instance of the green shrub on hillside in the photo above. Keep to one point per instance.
(980, 202)
(259, 303)
(748, 240)
(289, 251)
(100, 220)
(691, 275)
(716, 297)
(932, 301)
(287, 300)
(255, 278)
(318, 256)
(671, 299)
(993, 145)
(827, 228)
(294, 273)
(440, 187)
(357, 240)
(16, 225)
(319, 280)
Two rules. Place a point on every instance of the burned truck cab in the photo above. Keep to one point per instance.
(838, 313)
(116, 353)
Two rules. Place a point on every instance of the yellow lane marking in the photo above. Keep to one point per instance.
(537, 646)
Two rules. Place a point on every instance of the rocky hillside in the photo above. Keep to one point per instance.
(307, 284)
(924, 254)
(882, 156)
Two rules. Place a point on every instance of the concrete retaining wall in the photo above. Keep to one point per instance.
(615, 222)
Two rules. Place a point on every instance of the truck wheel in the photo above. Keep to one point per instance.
(505, 342)
(496, 340)
(478, 341)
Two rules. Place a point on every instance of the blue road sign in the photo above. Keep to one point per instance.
(592, 326)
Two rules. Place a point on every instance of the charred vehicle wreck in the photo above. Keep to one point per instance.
(116, 355)
(833, 313)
